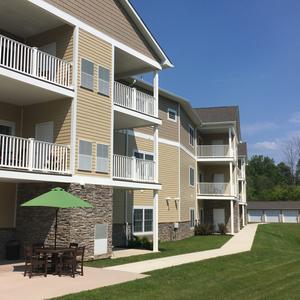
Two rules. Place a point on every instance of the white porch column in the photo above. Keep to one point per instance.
(243, 215)
(155, 221)
(155, 91)
(230, 142)
(155, 150)
(231, 218)
(231, 178)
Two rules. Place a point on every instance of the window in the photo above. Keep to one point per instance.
(7, 127)
(85, 156)
(103, 81)
(142, 220)
(143, 155)
(172, 115)
(192, 135)
(87, 74)
(192, 176)
(192, 218)
(102, 161)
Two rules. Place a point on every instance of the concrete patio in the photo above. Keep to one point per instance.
(13, 285)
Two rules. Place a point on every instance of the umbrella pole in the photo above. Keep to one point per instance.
(55, 228)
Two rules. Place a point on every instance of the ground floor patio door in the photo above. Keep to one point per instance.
(218, 217)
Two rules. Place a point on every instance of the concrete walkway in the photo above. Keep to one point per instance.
(241, 242)
(120, 252)
(14, 286)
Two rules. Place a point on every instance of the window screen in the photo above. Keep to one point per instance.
(85, 156)
(138, 220)
(171, 114)
(192, 218)
(102, 163)
(191, 136)
(192, 176)
(87, 74)
(148, 220)
(103, 81)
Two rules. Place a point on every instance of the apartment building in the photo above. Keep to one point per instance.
(72, 116)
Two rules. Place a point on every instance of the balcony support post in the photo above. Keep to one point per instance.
(134, 99)
(155, 92)
(243, 215)
(155, 148)
(31, 154)
(231, 218)
(231, 179)
(34, 61)
(155, 221)
(230, 142)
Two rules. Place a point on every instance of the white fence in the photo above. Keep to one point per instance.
(33, 62)
(213, 188)
(131, 168)
(32, 155)
(131, 98)
(213, 151)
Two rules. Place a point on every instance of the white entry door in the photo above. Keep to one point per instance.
(218, 217)
(217, 147)
(44, 132)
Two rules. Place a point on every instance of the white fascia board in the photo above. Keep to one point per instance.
(36, 82)
(136, 114)
(143, 28)
(136, 185)
(76, 22)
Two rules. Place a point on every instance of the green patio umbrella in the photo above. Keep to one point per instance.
(57, 198)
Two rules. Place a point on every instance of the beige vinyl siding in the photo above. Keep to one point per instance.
(108, 17)
(143, 198)
(137, 143)
(11, 113)
(187, 193)
(93, 110)
(145, 130)
(62, 36)
(169, 129)
(7, 204)
(58, 111)
(207, 139)
(168, 177)
(185, 121)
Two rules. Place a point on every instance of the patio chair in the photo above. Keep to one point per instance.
(80, 259)
(67, 263)
(39, 245)
(35, 263)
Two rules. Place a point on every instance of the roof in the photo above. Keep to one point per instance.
(165, 61)
(242, 149)
(273, 205)
(222, 114)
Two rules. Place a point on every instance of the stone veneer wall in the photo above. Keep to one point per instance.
(5, 236)
(167, 232)
(36, 224)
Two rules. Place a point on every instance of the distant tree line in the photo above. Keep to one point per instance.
(267, 180)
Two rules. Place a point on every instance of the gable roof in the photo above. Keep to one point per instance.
(221, 114)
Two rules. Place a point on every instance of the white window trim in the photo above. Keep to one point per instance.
(191, 127)
(175, 112)
(190, 167)
(81, 58)
(78, 154)
(192, 209)
(143, 221)
(10, 124)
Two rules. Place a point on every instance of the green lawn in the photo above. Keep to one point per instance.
(192, 244)
(270, 271)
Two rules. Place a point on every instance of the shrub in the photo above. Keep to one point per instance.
(204, 229)
(140, 243)
(222, 228)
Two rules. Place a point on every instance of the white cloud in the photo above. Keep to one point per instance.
(295, 118)
(267, 145)
(250, 129)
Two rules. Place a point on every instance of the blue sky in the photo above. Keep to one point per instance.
(234, 52)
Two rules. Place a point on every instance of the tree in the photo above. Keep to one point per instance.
(285, 174)
(297, 174)
(291, 153)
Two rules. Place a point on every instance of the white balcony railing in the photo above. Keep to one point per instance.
(213, 151)
(33, 62)
(131, 168)
(33, 155)
(213, 188)
(131, 98)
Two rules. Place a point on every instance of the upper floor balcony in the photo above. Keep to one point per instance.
(21, 154)
(215, 153)
(133, 169)
(134, 108)
(214, 190)
(32, 62)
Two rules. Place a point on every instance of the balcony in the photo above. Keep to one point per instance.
(141, 107)
(32, 62)
(18, 153)
(213, 189)
(214, 153)
(133, 169)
